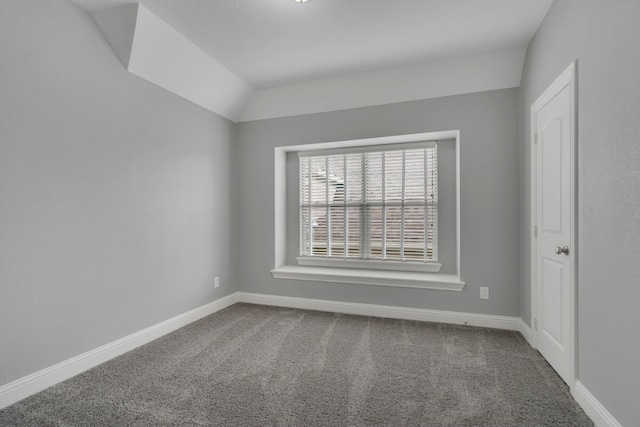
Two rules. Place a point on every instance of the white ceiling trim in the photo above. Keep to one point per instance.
(478, 73)
(149, 48)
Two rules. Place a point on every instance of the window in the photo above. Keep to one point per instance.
(375, 207)
(370, 216)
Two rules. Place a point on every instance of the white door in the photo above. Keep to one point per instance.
(554, 259)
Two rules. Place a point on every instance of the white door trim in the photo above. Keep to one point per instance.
(567, 78)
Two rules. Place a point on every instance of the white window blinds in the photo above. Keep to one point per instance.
(370, 203)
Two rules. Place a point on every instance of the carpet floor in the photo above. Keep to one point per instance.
(252, 365)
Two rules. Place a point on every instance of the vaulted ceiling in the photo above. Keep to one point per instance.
(271, 43)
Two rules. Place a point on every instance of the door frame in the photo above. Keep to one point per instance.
(566, 78)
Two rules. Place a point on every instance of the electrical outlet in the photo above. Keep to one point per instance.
(216, 282)
(484, 292)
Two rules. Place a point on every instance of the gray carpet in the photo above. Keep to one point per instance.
(251, 365)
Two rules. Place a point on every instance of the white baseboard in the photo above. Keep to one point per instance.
(452, 317)
(526, 332)
(593, 408)
(38, 381)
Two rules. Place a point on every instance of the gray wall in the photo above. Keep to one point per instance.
(603, 36)
(489, 153)
(114, 193)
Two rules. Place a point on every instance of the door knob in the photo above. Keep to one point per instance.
(564, 250)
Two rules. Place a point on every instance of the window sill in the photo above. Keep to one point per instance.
(428, 267)
(404, 279)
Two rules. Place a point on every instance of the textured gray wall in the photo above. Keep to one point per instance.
(603, 36)
(114, 193)
(489, 153)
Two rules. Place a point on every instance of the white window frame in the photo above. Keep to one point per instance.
(369, 276)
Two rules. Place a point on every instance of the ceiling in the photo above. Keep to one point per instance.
(270, 43)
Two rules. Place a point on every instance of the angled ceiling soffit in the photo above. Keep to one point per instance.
(151, 49)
